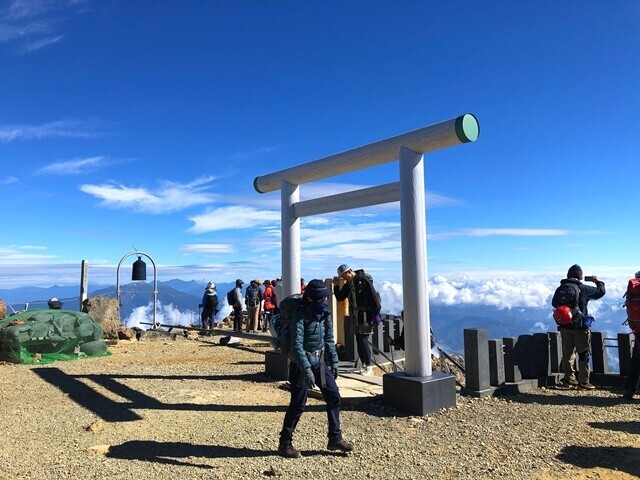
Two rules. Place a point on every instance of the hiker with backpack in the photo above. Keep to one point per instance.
(253, 300)
(364, 309)
(574, 323)
(209, 306)
(234, 299)
(308, 340)
(270, 302)
(632, 304)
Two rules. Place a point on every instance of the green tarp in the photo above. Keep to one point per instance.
(42, 336)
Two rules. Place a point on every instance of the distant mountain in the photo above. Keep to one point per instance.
(139, 294)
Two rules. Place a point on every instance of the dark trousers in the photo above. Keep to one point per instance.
(207, 319)
(237, 319)
(364, 349)
(267, 318)
(299, 393)
(634, 369)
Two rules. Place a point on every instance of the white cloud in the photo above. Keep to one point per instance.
(57, 129)
(168, 197)
(165, 314)
(9, 181)
(233, 217)
(75, 166)
(207, 248)
(489, 232)
(34, 24)
(251, 153)
(23, 253)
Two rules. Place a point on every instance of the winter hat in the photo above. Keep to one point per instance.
(239, 283)
(211, 286)
(316, 290)
(343, 268)
(638, 274)
(575, 272)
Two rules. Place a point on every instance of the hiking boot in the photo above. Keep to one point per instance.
(586, 386)
(289, 451)
(367, 371)
(340, 444)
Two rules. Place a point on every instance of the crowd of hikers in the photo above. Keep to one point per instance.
(303, 328)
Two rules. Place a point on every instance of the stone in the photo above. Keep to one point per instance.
(3, 310)
(126, 333)
(106, 312)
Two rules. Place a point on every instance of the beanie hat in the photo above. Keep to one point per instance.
(316, 290)
(239, 283)
(575, 272)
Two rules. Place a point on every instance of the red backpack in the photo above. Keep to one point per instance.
(632, 304)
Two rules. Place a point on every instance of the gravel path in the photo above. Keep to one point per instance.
(193, 409)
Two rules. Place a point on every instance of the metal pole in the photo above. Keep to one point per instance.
(414, 264)
(290, 194)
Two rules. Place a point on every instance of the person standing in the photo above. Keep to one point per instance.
(236, 304)
(253, 299)
(364, 306)
(209, 306)
(576, 336)
(270, 302)
(314, 361)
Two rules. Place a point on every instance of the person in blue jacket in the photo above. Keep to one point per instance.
(314, 361)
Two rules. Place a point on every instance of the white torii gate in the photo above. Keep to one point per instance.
(408, 148)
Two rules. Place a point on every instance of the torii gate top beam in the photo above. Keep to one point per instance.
(455, 131)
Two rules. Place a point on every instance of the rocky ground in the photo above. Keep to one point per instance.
(193, 409)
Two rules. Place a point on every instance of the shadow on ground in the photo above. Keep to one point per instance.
(83, 393)
(623, 459)
(583, 400)
(628, 427)
(171, 452)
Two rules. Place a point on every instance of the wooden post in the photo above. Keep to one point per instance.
(84, 280)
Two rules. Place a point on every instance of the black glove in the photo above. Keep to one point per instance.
(309, 378)
(334, 371)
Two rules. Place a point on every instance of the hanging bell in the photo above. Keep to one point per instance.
(139, 271)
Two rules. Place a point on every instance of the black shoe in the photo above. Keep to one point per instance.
(340, 444)
(289, 451)
(628, 395)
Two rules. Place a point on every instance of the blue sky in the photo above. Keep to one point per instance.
(144, 124)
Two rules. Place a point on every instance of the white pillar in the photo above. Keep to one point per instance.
(414, 264)
(290, 194)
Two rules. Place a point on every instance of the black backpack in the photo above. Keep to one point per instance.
(373, 301)
(211, 302)
(253, 296)
(231, 297)
(282, 325)
(568, 295)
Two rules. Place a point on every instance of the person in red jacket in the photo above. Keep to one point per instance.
(270, 302)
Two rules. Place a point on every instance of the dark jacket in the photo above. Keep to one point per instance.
(587, 292)
(210, 301)
(310, 337)
(364, 303)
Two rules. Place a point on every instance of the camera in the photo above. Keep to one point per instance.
(589, 279)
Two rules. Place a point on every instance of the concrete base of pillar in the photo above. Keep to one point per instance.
(276, 365)
(419, 395)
